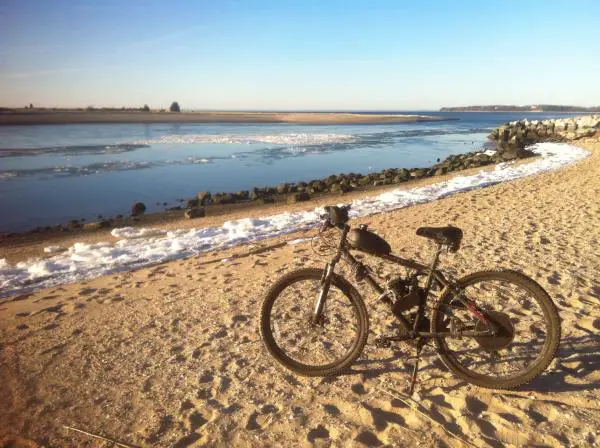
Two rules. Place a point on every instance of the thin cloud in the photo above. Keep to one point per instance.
(54, 71)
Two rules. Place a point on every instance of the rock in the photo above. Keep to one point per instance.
(265, 200)
(365, 180)
(256, 193)
(138, 209)
(204, 197)
(191, 203)
(96, 225)
(338, 188)
(223, 198)
(195, 212)
(298, 197)
(283, 188)
(417, 173)
(243, 195)
(331, 180)
(440, 172)
(74, 224)
(317, 186)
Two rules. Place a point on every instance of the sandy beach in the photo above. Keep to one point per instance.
(170, 355)
(45, 116)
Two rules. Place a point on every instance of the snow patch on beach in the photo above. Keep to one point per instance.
(141, 247)
(301, 139)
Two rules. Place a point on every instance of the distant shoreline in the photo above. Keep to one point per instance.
(37, 116)
(549, 109)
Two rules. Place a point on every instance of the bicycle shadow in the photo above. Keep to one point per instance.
(577, 357)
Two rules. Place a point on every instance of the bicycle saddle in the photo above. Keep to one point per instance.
(450, 236)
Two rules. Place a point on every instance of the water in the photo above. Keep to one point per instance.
(50, 174)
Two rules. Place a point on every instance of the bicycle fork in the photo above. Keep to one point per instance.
(320, 303)
(326, 280)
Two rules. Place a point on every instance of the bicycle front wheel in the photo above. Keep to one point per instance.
(527, 334)
(313, 349)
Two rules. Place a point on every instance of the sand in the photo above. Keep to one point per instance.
(170, 355)
(37, 116)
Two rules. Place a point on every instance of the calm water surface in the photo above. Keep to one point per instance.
(50, 174)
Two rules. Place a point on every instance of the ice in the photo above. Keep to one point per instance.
(54, 249)
(138, 247)
(135, 232)
(290, 139)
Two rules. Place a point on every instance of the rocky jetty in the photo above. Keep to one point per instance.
(346, 182)
(512, 138)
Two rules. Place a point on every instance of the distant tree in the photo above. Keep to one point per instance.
(146, 108)
(174, 107)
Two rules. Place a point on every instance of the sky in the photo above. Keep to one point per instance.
(304, 55)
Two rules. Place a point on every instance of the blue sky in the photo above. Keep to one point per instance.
(350, 55)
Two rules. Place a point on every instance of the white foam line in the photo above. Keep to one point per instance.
(143, 247)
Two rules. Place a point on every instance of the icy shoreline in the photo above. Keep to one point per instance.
(142, 247)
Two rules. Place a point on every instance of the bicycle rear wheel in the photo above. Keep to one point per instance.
(322, 349)
(528, 329)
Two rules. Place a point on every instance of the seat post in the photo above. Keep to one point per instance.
(434, 263)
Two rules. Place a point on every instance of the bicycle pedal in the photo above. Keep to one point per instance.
(383, 343)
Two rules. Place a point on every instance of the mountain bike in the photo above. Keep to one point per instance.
(496, 329)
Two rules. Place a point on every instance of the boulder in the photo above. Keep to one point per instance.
(223, 198)
(138, 209)
(365, 180)
(338, 188)
(74, 224)
(194, 212)
(204, 197)
(298, 197)
(417, 173)
(256, 193)
(242, 195)
(317, 186)
(331, 180)
(283, 188)
(103, 223)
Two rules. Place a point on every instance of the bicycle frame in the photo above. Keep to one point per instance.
(432, 275)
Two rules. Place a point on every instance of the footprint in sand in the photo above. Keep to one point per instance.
(358, 388)
(331, 410)
(87, 291)
(259, 420)
(320, 432)
(368, 438)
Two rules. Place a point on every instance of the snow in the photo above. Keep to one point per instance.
(54, 249)
(138, 247)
